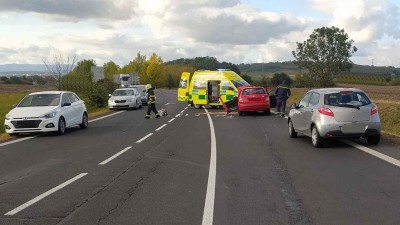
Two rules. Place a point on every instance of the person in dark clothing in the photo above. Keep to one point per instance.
(151, 102)
(282, 94)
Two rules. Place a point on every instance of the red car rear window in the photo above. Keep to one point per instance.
(253, 91)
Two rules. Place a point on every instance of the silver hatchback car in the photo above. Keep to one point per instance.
(332, 113)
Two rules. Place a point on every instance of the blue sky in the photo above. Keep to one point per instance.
(237, 31)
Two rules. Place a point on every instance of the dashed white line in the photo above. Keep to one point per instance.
(182, 112)
(144, 138)
(374, 153)
(208, 214)
(171, 120)
(44, 195)
(178, 115)
(158, 129)
(115, 156)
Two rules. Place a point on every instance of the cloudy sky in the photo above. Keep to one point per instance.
(237, 31)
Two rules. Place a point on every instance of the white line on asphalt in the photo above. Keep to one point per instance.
(374, 153)
(186, 108)
(208, 214)
(158, 129)
(182, 112)
(171, 120)
(178, 115)
(144, 138)
(115, 156)
(15, 141)
(44, 195)
(103, 117)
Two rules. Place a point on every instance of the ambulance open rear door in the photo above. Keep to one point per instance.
(183, 90)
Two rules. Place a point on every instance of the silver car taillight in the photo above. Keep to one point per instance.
(325, 111)
(374, 110)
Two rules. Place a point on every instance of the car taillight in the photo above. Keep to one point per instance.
(325, 111)
(374, 110)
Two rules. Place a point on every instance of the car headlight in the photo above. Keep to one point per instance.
(50, 114)
(129, 100)
(9, 117)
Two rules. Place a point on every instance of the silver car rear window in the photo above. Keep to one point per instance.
(347, 98)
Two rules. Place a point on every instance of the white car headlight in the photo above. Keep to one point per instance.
(50, 114)
(129, 100)
(9, 117)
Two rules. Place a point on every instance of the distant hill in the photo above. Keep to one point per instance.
(22, 67)
(256, 70)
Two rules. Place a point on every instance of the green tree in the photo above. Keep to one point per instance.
(325, 54)
(110, 68)
(247, 78)
(154, 70)
(278, 78)
(170, 82)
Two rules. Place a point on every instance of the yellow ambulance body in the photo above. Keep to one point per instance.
(207, 86)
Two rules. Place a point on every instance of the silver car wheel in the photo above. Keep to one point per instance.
(314, 136)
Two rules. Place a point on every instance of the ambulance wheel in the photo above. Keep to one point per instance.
(197, 106)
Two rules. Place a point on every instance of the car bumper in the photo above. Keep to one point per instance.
(31, 126)
(253, 107)
(349, 130)
(113, 105)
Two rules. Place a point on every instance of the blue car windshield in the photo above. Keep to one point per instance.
(40, 100)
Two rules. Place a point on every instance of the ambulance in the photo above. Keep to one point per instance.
(209, 87)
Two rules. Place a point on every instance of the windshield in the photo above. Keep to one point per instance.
(122, 92)
(239, 83)
(345, 99)
(40, 100)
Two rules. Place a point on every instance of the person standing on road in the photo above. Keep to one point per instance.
(151, 102)
(282, 94)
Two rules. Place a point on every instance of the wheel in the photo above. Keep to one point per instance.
(316, 139)
(85, 121)
(240, 113)
(267, 112)
(374, 140)
(61, 126)
(292, 132)
(214, 106)
(140, 105)
(197, 106)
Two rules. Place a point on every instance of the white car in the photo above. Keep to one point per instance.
(47, 111)
(125, 98)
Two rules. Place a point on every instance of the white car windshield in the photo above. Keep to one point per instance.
(40, 100)
(122, 92)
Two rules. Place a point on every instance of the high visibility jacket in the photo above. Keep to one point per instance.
(151, 97)
(283, 92)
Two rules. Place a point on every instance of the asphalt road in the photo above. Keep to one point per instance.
(195, 166)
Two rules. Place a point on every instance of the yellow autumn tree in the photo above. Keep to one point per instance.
(155, 71)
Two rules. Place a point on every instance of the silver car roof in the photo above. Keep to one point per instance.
(335, 90)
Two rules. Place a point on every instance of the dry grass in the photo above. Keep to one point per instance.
(19, 88)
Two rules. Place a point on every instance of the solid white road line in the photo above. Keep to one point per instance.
(115, 156)
(42, 196)
(374, 153)
(158, 129)
(16, 141)
(103, 117)
(171, 120)
(144, 138)
(208, 214)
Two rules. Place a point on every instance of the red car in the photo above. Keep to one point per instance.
(254, 99)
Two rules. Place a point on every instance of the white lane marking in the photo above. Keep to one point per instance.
(171, 120)
(182, 112)
(158, 129)
(103, 117)
(115, 156)
(186, 108)
(187, 115)
(16, 141)
(44, 195)
(373, 152)
(178, 115)
(208, 214)
(144, 138)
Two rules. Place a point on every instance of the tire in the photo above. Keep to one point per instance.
(61, 126)
(292, 132)
(316, 139)
(240, 113)
(140, 105)
(85, 121)
(267, 112)
(374, 140)
(197, 106)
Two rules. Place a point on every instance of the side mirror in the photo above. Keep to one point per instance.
(293, 106)
(14, 106)
(66, 104)
(109, 95)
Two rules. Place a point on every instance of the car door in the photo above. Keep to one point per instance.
(298, 117)
(309, 110)
(77, 108)
(68, 110)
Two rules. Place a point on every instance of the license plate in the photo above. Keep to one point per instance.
(353, 128)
